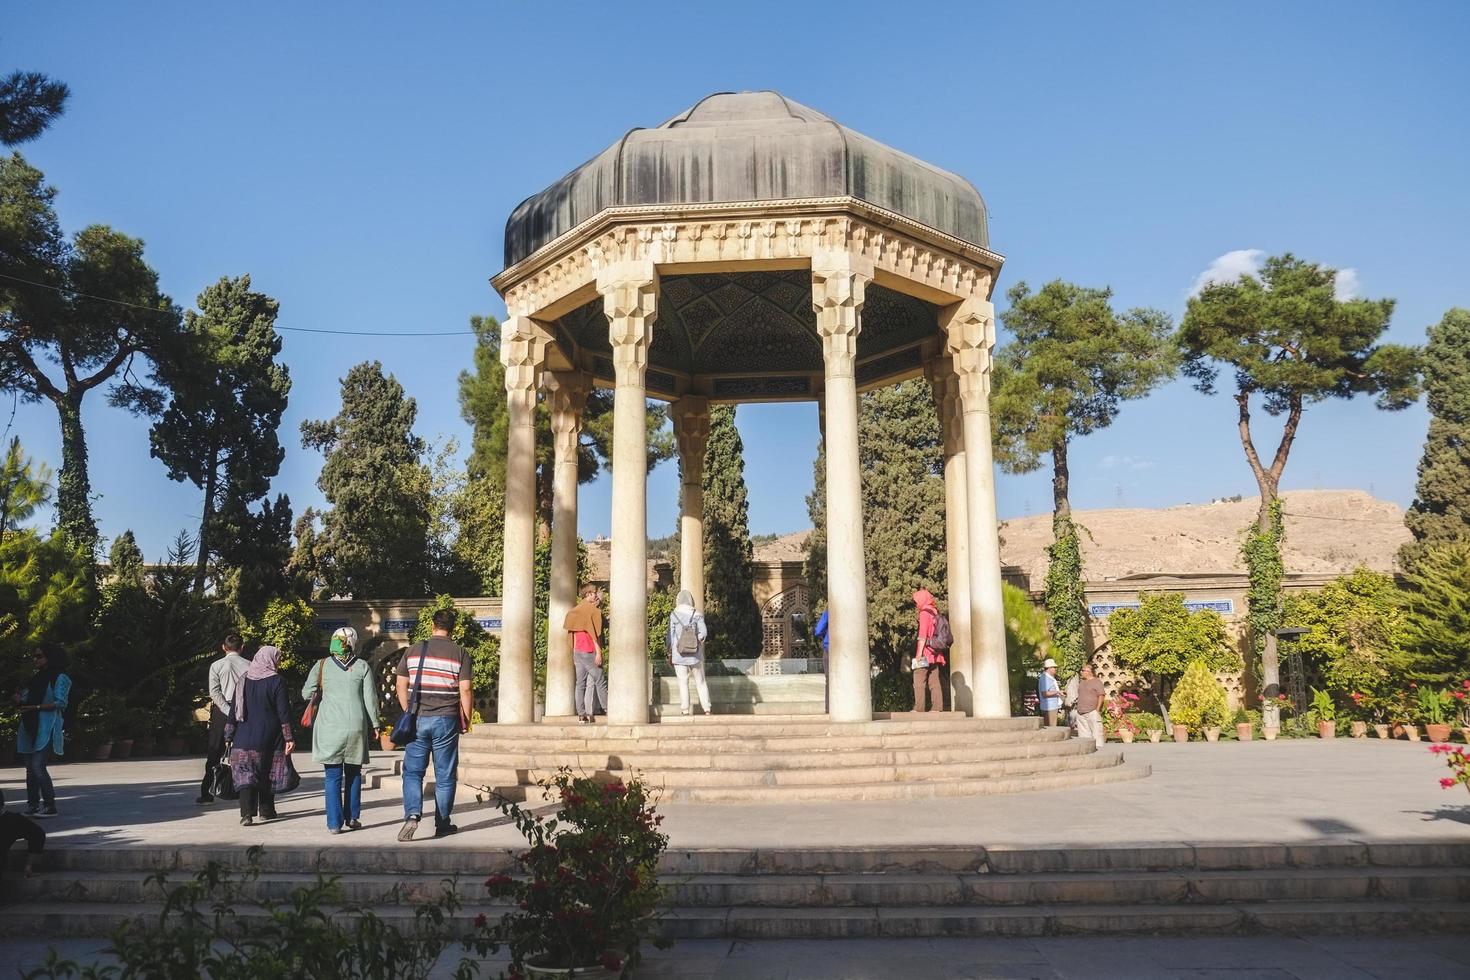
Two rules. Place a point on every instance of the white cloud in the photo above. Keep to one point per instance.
(1347, 286)
(1230, 267)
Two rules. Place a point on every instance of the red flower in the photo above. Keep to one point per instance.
(611, 961)
(497, 881)
(615, 789)
(1459, 695)
(480, 921)
(1446, 783)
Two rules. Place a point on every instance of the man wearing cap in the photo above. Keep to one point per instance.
(1050, 692)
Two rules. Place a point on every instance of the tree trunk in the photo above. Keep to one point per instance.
(211, 486)
(73, 486)
(1061, 483)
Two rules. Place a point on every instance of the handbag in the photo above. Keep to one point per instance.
(283, 775)
(406, 728)
(309, 715)
(222, 779)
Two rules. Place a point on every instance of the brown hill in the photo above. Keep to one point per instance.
(1327, 531)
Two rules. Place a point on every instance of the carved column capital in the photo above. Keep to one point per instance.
(630, 299)
(969, 332)
(523, 352)
(691, 430)
(566, 393)
(839, 284)
(947, 404)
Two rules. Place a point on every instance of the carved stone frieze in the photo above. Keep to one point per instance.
(969, 331)
(523, 352)
(839, 281)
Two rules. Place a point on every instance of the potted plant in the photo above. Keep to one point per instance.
(1148, 724)
(1326, 713)
(1434, 711)
(1198, 703)
(587, 893)
(385, 738)
(1283, 707)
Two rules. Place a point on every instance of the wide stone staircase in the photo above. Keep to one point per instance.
(721, 759)
(1182, 889)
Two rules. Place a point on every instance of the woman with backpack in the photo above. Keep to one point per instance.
(686, 651)
(929, 653)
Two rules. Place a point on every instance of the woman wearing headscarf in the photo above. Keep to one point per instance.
(686, 650)
(927, 660)
(348, 711)
(42, 708)
(259, 730)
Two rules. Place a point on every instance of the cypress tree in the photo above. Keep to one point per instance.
(1440, 513)
(729, 605)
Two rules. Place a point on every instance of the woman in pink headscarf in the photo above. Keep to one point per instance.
(260, 737)
(927, 660)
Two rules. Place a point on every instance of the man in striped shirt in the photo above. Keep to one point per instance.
(434, 683)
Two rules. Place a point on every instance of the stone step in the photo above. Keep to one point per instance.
(847, 890)
(67, 919)
(669, 712)
(1052, 778)
(592, 741)
(493, 776)
(636, 759)
(770, 725)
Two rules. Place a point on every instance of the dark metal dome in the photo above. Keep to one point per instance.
(747, 146)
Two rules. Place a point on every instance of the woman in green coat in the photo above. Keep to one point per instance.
(345, 719)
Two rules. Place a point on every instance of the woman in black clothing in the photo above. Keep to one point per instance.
(259, 729)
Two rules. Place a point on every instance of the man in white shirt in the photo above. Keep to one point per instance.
(224, 675)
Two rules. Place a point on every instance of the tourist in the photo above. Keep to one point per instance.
(822, 632)
(927, 659)
(1087, 706)
(434, 685)
(1050, 692)
(14, 827)
(261, 742)
(686, 651)
(347, 712)
(42, 712)
(584, 622)
(224, 676)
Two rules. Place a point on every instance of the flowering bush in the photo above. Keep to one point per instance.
(1458, 760)
(1461, 696)
(1116, 711)
(590, 889)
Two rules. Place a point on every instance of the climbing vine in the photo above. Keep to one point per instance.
(1065, 603)
(1264, 569)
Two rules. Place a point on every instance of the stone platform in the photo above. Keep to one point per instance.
(776, 758)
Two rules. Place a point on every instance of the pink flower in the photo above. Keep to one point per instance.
(480, 921)
(1446, 783)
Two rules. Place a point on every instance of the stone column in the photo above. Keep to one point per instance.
(839, 280)
(969, 328)
(691, 429)
(956, 532)
(630, 298)
(567, 393)
(522, 351)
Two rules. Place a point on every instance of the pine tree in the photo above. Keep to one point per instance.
(374, 540)
(29, 103)
(227, 394)
(1071, 365)
(1437, 614)
(729, 605)
(24, 486)
(125, 559)
(1440, 513)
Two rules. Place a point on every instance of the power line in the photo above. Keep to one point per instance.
(149, 309)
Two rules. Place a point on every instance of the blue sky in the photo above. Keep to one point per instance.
(359, 161)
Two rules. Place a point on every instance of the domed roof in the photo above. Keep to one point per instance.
(747, 146)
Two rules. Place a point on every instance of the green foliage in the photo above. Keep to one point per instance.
(45, 591)
(1355, 634)
(893, 690)
(25, 485)
(290, 625)
(1436, 603)
(29, 103)
(254, 554)
(1066, 600)
(729, 606)
(125, 559)
(1323, 706)
(1440, 513)
(227, 391)
(478, 512)
(1199, 700)
(60, 341)
(1146, 721)
(217, 925)
(1028, 641)
(1434, 706)
(1161, 639)
(660, 607)
(484, 649)
(1261, 551)
(374, 541)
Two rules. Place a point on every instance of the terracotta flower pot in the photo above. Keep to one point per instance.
(1360, 729)
(1411, 732)
(1243, 731)
(1181, 733)
(1125, 736)
(1326, 729)
(1438, 733)
(595, 972)
(103, 752)
(122, 748)
(1381, 731)
(385, 742)
(1212, 733)
(1155, 734)
(1269, 732)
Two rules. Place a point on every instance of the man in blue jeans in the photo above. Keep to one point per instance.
(434, 683)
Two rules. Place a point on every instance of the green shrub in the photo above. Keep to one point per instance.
(1323, 706)
(1199, 700)
(1146, 721)
(893, 690)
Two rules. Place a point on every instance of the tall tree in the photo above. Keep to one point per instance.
(81, 309)
(374, 540)
(1286, 337)
(29, 103)
(1440, 513)
(1436, 601)
(125, 559)
(729, 605)
(482, 403)
(227, 393)
(1071, 364)
(25, 485)
(254, 554)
